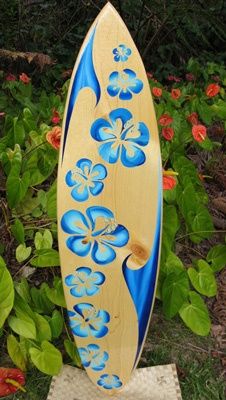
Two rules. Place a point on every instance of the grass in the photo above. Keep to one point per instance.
(168, 342)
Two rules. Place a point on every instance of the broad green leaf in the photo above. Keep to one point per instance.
(19, 133)
(56, 323)
(195, 315)
(51, 201)
(47, 359)
(18, 231)
(23, 327)
(203, 279)
(170, 227)
(174, 292)
(22, 308)
(44, 241)
(22, 288)
(46, 258)
(42, 327)
(22, 252)
(16, 188)
(6, 292)
(41, 302)
(15, 352)
(217, 257)
(56, 294)
(72, 351)
(203, 224)
(172, 264)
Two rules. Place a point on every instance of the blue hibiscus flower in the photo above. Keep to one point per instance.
(93, 357)
(86, 321)
(109, 381)
(95, 233)
(122, 138)
(124, 84)
(86, 179)
(121, 53)
(84, 282)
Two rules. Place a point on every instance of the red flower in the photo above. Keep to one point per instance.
(165, 120)
(157, 92)
(212, 90)
(24, 78)
(193, 118)
(2, 114)
(55, 117)
(199, 132)
(190, 77)
(53, 137)
(173, 78)
(175, 94)
(168, 133)
(149, 75)
(10, 77)
(11, 379)
(169, 182)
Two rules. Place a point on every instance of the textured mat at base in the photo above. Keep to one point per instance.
(153, 383)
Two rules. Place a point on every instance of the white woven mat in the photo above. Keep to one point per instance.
(153, 383)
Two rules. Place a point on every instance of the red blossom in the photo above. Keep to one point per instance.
(11, 379)
(54, 136)
(199, 132)
(2, 114)
(55, 117)
(190, 77)
(169, 182)
(212, 90)
(168, 133)
(149, 75)
(165, 120)
(173, 78)
(10, 77)
(24, 78)
(157, 92)
(193, 118)
(175, 94)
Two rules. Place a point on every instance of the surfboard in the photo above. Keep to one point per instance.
(109, 203)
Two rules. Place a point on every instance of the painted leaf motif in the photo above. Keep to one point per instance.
(195, 315)
(203, 279)
(6, 292)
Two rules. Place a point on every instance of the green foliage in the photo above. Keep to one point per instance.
(32, 309)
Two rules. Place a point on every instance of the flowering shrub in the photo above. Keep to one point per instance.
(30, 137)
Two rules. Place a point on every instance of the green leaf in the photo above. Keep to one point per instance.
(47, 359)
(19, 133)
(203, 224)
(42, 327)
(56, 294)
(22, 288)
(15, 352)
(44, 241)
(41, 302)
(6, 292)
(56, 323)
(72, 351)
(16, 188)
(174, 292)
(172, 264)
(23, 327)
(195, 315)
(217, 257)
(51, 201)
(18, 231)
(203, 279)
(170, 227)
(46, 258)
(22, 252)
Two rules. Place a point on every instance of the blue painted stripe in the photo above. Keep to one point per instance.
(141, 282)
(85, 76)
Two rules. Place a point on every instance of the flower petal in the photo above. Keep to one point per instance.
(132, 156)
(78, 245)
(113, 90)
(109, 152)
(125, 94)
(102, 253)
(80, 193)
(96, 188)
(119, 237)
(98, 278)
(98, 212)
(142, 138)
(78, 291)
(98, 172)
(120, 113)
(73, 221)
(70, 179)
(85, 165)
(101, 130)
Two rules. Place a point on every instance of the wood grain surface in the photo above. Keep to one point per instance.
(110, 174)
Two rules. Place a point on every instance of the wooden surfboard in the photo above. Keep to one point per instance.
(109, 203)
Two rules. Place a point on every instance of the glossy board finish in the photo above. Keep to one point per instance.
(109, 202)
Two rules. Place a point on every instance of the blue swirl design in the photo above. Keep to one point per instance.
(141, 282)
(85, 77)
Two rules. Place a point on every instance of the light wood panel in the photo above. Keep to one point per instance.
(132, 193)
